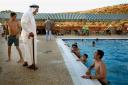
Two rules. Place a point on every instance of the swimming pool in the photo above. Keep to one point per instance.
(116, 56)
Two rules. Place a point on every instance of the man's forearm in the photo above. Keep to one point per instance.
(94, 77)
(90, 67)
(19, 31)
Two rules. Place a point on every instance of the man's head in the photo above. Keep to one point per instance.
(93, 43)
(98, 54)
(13, 15)
(75, 43)
(74, 46)
(85, 55)
(34, 8)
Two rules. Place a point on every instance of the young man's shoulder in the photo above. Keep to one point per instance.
(17, 21)
(102, 63)
(8, 22)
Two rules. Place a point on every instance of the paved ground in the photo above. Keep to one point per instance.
(52, 70)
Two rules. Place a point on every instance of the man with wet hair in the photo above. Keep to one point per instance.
(100, 68)
(14, 30)
(83, 59)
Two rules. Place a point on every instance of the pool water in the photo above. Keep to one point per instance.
(115, 58)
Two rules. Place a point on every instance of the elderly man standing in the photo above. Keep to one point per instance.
(28, 33)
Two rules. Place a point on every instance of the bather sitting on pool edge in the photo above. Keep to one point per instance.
(83, 59)
(100, 68)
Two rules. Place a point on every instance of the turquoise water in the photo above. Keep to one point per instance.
(115, 58)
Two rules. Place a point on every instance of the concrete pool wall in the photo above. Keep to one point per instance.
(75, 68)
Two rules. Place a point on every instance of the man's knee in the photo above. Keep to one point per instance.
(9, 47)
(17, 47)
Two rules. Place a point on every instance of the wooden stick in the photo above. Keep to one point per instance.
(33, 42)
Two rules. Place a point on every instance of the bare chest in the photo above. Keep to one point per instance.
(12, 25)
(97, 67)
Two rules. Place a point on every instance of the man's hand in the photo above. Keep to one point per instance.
(78, 60)
(86, 76)
(88, 72)
(17, 36)
(30, 35)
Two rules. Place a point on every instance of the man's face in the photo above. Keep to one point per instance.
(84, 57)
(96, 56)
(74, 47)
(36, 10)
(13, 17)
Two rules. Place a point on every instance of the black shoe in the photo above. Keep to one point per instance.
(32, 67)
(25, 64)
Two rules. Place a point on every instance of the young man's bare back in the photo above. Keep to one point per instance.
(14, 31)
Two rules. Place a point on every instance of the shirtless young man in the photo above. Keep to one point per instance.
(13, 27)
(99, 67)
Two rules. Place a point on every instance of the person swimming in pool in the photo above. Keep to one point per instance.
(93, 44)
(83, 59)
(75, 50)
(75, 43)
(100, 68)
(97, 39)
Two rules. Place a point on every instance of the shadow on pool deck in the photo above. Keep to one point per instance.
(52, 70)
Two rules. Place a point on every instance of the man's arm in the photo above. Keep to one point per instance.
(6, 25)
(6, 28)
(89, 69)
(25, 22)
(88, 73)
(19, 29)
(19, 25)
(91, 66)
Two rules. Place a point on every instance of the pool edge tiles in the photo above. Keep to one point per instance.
(97, 38)
(94, 37)
(75, 68)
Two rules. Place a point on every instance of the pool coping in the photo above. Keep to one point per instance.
(75, 68)
(120, 38)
